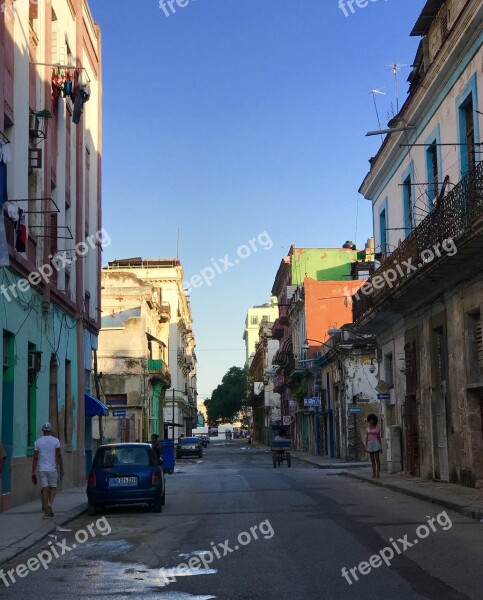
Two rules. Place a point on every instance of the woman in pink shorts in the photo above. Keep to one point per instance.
(373, 444)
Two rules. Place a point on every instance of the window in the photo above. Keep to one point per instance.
(53, 387)
(469, 134)
(87, 192)
(433, 172)
(468, 125)
(474, 346)
(68, 403)
(440, 349)
(408, 204)
(31, 405)
(383, 232)
(254, 321)
(389, 369)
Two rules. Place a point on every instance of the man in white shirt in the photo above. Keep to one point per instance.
(47, 457)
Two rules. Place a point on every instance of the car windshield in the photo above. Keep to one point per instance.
(189, 440)
(109, 457)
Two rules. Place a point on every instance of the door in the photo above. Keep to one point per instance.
(412, 435)
(7, 412)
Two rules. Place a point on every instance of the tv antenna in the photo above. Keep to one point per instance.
(396, 67)
(374, 94)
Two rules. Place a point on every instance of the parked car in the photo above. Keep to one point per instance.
(125, 474)
(189, 446)
(204, 439)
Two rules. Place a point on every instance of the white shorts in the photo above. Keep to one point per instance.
(373, 446)
(48, 478)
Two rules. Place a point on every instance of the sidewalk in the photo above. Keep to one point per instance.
(23, 526)
(322, 462)
(467, 501)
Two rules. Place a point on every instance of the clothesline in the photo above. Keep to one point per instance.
(69, 67)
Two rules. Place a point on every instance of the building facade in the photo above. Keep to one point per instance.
(255, 315)
(147, 350)
(50, 231)
(425, 301)
(314, 288)
(264, 401)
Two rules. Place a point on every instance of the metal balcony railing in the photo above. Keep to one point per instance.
(451, 218)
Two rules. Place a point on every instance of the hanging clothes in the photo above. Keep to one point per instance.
(21, 233)
(83, 93)
(4, 158)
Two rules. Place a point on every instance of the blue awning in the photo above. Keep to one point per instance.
(94, 407)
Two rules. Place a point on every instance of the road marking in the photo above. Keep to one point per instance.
(74, 545)
(415, 541)
(237, 547)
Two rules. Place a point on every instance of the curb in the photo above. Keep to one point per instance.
(341, 466)
(30, 540)
(468, 510)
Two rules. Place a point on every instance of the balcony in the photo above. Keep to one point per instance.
(158, 370)
(457, 217)
(165, 312)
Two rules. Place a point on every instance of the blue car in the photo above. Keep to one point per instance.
(125, 474)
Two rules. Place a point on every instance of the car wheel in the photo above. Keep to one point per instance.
(178, 456)
(91, 509)
(158, 505)
(163, 498)
(200, 454)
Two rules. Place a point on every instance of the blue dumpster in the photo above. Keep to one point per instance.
(168, 455)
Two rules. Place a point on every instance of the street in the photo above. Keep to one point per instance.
(271, 533)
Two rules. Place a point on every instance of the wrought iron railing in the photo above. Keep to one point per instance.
(450, 219)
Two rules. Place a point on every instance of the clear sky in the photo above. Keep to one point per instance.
(239, 120)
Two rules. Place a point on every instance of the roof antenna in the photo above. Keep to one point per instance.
(374, 92)
(396, 67)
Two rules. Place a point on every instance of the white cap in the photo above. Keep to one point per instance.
(46, 426)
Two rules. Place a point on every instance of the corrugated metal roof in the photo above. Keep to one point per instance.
(426, 17)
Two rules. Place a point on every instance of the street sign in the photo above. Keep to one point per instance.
(314, 401)
(286, 420)
(382, 387)
(383, 396)
(354, 410)
(119, 413)
(292, 403)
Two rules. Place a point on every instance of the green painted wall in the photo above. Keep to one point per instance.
(322, 264)
(51, 331)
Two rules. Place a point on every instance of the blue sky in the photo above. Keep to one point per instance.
(231, 118)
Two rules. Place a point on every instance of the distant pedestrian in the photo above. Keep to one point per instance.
(373, 444)
(47, 457)
(3, 456)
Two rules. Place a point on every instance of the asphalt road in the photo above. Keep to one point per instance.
(272, 534)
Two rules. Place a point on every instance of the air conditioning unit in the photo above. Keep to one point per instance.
(34, 123)
(34, 362)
